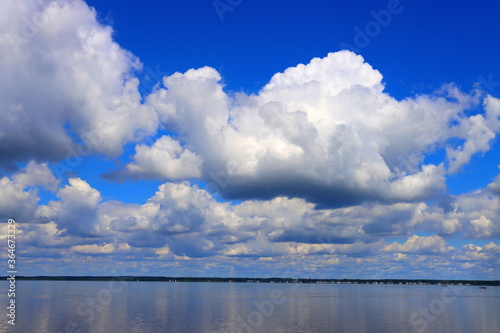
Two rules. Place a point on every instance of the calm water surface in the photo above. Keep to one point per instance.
(112, 307)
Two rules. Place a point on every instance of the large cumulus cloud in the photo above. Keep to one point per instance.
(64, 81)
(325, 132)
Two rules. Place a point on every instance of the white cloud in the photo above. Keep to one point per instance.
(36, 175)
(44, 235)
(495, 185)
(478, 131)
(474, 253)
(473, 215)
(163, 251)
(94, 249)
(166, 159)
(482, 227)
(16, 202)
(420, 245)
(182, 221)
(492, 247)
(479, 212)
(19, 193)
(190, 222)
(62, 71)
(328, 126)
(77, 210)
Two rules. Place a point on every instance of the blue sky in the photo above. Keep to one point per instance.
(252, 138)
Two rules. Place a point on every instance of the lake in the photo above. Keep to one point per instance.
(112, 306)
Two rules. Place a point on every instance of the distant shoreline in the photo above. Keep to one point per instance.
(262, 280)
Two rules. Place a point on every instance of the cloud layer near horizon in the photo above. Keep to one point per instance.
(182, 222)
(326, 164)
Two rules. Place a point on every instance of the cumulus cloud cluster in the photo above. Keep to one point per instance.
(325, 163)
(325, 131)
(183, 222)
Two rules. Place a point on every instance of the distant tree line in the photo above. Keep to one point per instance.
(260, 280)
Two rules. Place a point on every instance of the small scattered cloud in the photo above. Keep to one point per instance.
(421, 245)
(495, 185)
(166, 159)
(37, 175)
(93, 249)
